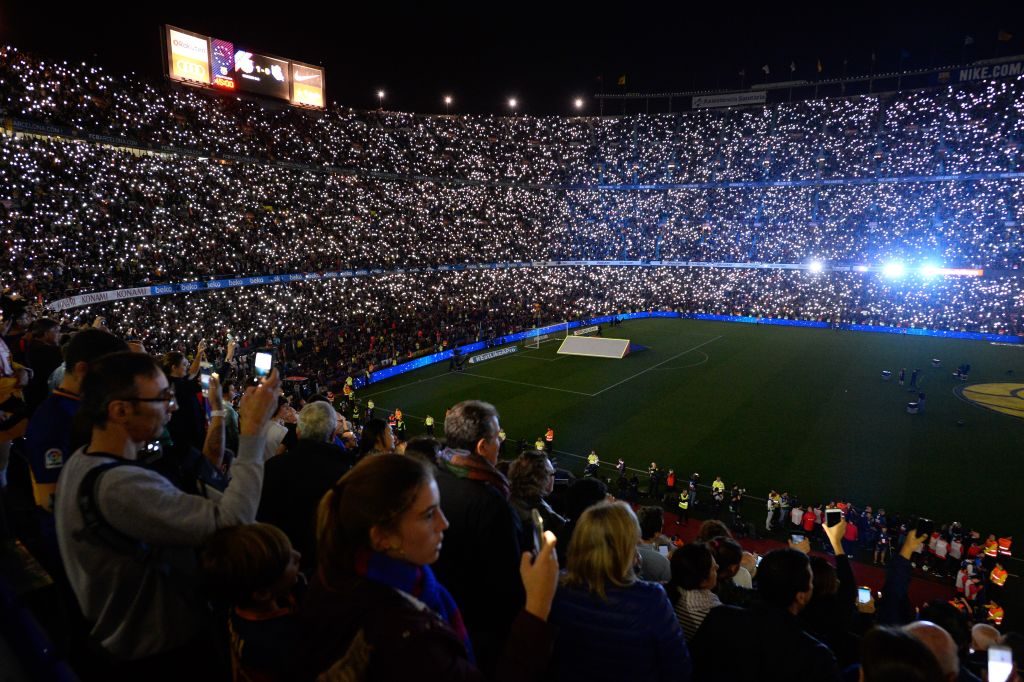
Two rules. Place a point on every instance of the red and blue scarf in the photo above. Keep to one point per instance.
(418, 581)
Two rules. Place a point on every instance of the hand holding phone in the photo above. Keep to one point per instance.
(863, 595)
(1000, 663)
(538, 530)
(263, 363)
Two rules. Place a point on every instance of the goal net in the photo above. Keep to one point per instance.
(550, 333)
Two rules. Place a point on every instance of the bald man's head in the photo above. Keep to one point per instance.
(939, 642)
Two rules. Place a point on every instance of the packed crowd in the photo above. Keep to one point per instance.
(966, 128)
(227, 532)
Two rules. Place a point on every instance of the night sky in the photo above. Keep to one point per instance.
(545, 54)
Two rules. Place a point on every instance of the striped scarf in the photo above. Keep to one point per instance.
(463, 464)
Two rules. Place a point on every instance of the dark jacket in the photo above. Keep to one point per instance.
(760, 643)
(479, 561)
(633, 634)
(293, 484)
(43, 359)
(404, 642)
(188, 423)
(829, 618)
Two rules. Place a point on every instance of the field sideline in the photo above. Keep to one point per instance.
(796, 409)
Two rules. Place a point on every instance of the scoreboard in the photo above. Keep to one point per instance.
(199, 60)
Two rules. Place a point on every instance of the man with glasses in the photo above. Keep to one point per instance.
(128, 536)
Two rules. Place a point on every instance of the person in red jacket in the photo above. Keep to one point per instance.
(809, 520)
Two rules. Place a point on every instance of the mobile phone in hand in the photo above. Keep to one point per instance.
(925, 527)
(1000, 663)
(263, 364)
(863, 595)
(796, 539)
(204, 380)
(833, 517)
(538, 530)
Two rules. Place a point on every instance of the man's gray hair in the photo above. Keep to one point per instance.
(468, 422)
(317, 422)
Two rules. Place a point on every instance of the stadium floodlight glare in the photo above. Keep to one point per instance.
(929, 270)
(513, 102)
(579, 102)
(447, 102)
(893, 270)
(816, 267)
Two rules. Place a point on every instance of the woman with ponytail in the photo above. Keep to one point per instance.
(375, 611)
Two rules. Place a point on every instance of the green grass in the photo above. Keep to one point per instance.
(802, 410)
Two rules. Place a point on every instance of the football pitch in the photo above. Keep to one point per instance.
(795, 409)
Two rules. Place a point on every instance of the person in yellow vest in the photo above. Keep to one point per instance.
(684, 507)
(998, 576)
(350, 382)
(539, 444)
(991, 546)
(501, 443)
(549, 440)
(995, 613)
(718, 485)
(592, 458)
(428, 422)
(1004, 545)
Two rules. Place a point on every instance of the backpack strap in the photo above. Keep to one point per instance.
(97, 528)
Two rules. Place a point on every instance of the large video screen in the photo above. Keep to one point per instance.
(307, 85)
(262, 75)
(223, 53)
(188, 57)
(196, 59)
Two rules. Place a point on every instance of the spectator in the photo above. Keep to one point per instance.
(891, 655)
(480, 554)
(294, 482)
(694, 576)
(42, 356)
(376, 611)
(531, 479)
(829, 615)
(257, 570)
(654, 566)
(427, 448)
(146, 618)
(941, 645)
(774, 645)
(49, 440)
(376, 439)
(611, 625)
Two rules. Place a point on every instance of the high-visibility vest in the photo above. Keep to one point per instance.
(592, 459)
(991, 548)
(684, 499)
(550, 435)
(429, 421)
(671, 481)
(995, 614)
(998, 576)
(538, 444)
(719, 486)
(501, 435)
(369, 404)
(1004, 546)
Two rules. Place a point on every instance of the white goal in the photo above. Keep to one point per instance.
(552, 333)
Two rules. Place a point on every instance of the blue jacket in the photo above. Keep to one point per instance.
(632, 635)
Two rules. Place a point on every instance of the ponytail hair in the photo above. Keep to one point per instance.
(375, 492)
